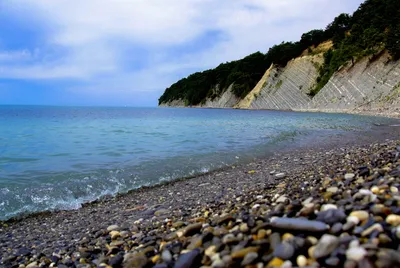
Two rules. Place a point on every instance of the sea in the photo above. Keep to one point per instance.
(57, 158)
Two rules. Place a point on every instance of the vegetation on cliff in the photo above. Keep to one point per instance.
(373, 27)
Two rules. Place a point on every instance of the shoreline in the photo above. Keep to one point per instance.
(382, 131)
(143, 210)
(393, 115)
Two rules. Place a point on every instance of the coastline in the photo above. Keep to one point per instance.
(377, 113)
(144, 210)
(380, 132)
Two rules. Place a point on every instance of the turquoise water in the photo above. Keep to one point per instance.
(60, 157)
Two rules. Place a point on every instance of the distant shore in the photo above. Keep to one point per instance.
(106, 230)
(382, 113)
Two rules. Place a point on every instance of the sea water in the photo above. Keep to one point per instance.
(61, 157)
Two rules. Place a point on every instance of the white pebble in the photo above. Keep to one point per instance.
(280, 175)
(349, 176)
(328, 206)
(166, 256)
(375, 189)
(112, 228)
(332, 190)
(287, 264)
(354, 244)
(353, 219)
(356, 253)
(281, 199)
(365, 192)
(301, 261)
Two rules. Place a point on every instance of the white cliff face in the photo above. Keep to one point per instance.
(369, 87)
(249, 99)
(174, 103)
(287, 88)
(226, 100)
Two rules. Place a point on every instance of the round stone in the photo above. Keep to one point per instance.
(360, 214)
(356, 253)
(112, 228)
(393, 219)
(244, 228)
(332, 261)
(284, 251)
(301, 261)
(332, 190)
(249, 258)
(375, 189)
(326, 245)
(166, 256)
(331, 216)
(328, 206)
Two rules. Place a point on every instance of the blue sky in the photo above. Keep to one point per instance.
(126, 52)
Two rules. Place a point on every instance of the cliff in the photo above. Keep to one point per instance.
(350, 66)
(370, 86)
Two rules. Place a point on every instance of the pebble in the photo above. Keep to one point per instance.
(353, 219)
(375, 189)
(166, 256)
(161, 212)
(244, 228)
(328, 206)
(331, 216)
(287, 264)
(356, 253)
(282, 199)
(393, 219)
(299, 225)
(112, 228)
(301, 261)
(240, 254)
(326, 245)
(360, 214)
(249, 258)
(284, 251)
(349, 176)
(33, 265)
(192, 229)
(332, 261)
(336, 228)
(374, 228)
(187, 260)
(275, 262)
(333, 190)
(280, 175)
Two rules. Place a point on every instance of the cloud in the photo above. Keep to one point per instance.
(147, 44)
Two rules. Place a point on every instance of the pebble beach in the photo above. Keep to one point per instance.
(329, 207)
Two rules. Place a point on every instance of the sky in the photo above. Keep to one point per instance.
(126, 52)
